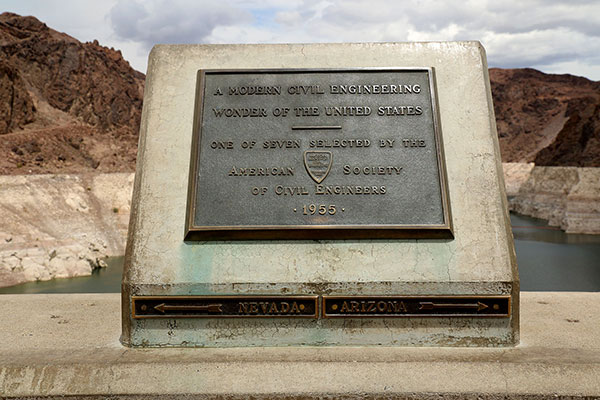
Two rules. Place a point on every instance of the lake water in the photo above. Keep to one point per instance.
(549, 260)
(103, 280)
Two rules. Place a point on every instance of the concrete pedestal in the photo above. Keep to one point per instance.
(478, 261)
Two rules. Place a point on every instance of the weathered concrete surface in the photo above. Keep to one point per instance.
(568, 197)
(59, 226)
(68, 345)
(480, 260)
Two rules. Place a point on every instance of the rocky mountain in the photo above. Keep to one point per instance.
(65, 106)
(552, 120)
(71, 107)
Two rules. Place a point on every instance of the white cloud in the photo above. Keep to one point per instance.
(172, 21)
(85, 21)
(558, 36)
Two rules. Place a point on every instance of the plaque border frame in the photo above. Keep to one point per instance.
(307, 297)
(439, 297)
(314, 232)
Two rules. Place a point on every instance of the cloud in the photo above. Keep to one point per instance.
(551, 35)
(177, 21)
(516, 33)
(82, 20)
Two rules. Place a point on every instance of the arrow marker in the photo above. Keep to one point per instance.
(427, 305)
(209, 307)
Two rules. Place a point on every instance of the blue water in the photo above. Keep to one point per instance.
(103, 280)
(549, 260)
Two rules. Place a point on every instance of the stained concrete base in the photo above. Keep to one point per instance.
(67, 345)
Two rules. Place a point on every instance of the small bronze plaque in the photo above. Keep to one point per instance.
(317, 154)
(415, 306)
(224, 306)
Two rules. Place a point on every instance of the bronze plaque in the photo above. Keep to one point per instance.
(317, 154)
(415, 306)
(224, 306)
(306, 306)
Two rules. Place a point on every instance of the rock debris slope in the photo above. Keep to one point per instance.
(552, 120)
(65, 106)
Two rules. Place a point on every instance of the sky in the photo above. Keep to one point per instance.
(550, 35)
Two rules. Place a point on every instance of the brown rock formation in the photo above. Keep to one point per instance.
(65, 106)
(16, 105)
(547, 119)
(578, 143)
(72, 107)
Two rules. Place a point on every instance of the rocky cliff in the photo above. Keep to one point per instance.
(552, 120)
(72, 107)
(59, 226)
(65, 106)
(567, 197)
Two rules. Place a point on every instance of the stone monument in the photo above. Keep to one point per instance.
(322, 195)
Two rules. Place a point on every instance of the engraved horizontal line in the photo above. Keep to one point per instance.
(309, 127)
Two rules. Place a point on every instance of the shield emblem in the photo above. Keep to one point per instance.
(318, 164)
